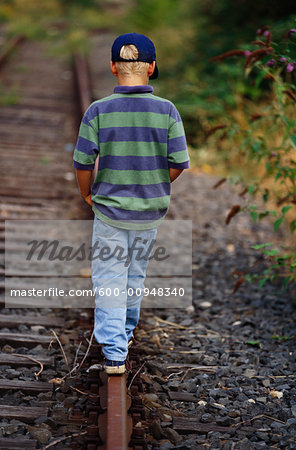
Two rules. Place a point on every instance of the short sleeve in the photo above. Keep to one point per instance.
(178, 157)
(87, 146)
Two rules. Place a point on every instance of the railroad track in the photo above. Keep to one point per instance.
(54, 391)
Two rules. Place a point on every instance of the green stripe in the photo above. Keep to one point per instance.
(176, 130)
(133, 176)
(132, 148)
(82, 158)
(105, 99)
(126, 225)
(87, 132)
(178, 157)
(134, 203)
(132, 119)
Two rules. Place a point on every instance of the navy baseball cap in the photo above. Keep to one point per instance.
(144, 45)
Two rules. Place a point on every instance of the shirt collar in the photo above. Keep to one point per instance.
(140, 89)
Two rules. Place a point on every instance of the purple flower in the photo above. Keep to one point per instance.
(270, 62)
(247, 52)
(266, 33)
(259, 31)
(291, 31)
(283, 59)
(290, 67)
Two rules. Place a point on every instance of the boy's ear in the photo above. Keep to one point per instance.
(113, 68)
(151, 68)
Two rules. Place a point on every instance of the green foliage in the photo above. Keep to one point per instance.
(9, 97)
(281, 266)
(266, 141)
(187, 35)
(282, 338)
(255, 343)
(65, 23)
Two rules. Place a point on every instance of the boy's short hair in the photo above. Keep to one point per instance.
(131, 68)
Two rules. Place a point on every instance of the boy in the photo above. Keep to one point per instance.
(142, 148)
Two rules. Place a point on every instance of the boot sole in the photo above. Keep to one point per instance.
(114, 370)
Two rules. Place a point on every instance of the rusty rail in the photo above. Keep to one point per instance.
(84, 90)
(83, 82)
(8, 48)
(118, 422)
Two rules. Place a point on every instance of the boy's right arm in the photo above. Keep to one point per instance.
(85, 154)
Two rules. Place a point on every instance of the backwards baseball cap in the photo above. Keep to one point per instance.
(146, 49)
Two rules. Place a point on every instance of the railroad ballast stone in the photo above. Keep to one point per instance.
(252, 392)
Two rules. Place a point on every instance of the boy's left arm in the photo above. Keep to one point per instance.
(174, 173)
(178, 158)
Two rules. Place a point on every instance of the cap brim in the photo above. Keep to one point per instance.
(155, 73)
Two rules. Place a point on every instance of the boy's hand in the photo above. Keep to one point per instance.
(174, 173)
(88, 200)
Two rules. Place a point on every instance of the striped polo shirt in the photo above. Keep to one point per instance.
(138, 137)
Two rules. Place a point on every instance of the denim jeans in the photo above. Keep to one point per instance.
(119, 263)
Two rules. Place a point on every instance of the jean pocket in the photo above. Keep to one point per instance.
(104, 230)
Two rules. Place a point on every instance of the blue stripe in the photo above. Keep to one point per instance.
(86, 146)
(80, 166)
(129, 104)
(133, 162)
(85, 118)
(183, 165)
(176, 144)
(174, 113)
(136, 134)
(128, 215)
(131, 190)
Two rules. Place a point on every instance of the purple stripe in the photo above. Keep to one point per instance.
(183, 165)
(80, 166)
(144, 134)
(174, 113)
(85, 118)
(176, 144)
(133, 162)
(128, 104)
(143, 88)
(86, 146)
(131, 190)
(127, 215)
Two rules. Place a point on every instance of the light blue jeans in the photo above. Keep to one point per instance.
(119, 263)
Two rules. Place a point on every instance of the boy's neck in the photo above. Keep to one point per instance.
(132, 80)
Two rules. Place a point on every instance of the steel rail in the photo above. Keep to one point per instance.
(9, 47)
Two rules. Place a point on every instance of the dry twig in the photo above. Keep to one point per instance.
(89, 345)
(221, 181)
(63, 439)
(132, 380)
(64, 354)
(170, 323)
(34, 360)
(258, 417)
(76, 354)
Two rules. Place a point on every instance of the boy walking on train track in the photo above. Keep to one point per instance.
(142, 149)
